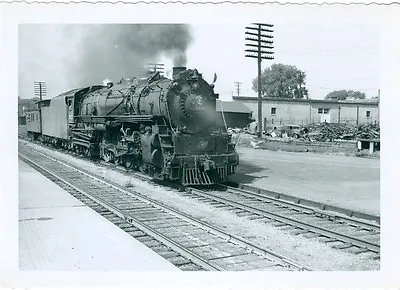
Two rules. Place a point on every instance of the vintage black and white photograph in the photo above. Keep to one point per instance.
(251, 145)
(138, 139)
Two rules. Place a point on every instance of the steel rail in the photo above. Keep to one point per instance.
(315, 210)
(323, 232)
(289, 221)
(175, 246)
(326, 209)
(228, 237)
(349, 220)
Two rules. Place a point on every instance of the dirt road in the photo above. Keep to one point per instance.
(345, 181)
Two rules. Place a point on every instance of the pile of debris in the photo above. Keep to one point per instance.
(322, 132)
(368, 131)
(332, 131)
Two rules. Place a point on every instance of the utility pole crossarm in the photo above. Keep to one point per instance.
(238, 84)
(260, 29)
(262, 46)
(263, 24)
(156, 67)
(40, 89)
(259, 40)
(262, 57)
(259, 34)
(259, 51)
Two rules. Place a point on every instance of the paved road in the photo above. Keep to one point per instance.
(345, 181)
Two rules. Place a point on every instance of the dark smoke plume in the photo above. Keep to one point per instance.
(122, 50)
(68, 56)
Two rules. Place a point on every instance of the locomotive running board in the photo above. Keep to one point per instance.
(194, 176)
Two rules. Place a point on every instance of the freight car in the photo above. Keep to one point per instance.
(164, 127)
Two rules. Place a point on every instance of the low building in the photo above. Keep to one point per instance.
(305, 111)
(234, 114)
(25, 105)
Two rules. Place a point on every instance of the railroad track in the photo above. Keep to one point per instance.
(186, 242)
(342, 232)
(357, 236)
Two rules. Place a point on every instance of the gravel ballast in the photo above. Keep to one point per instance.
(308, 252)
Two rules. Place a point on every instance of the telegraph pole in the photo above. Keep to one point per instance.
(156, 67)
(258, 41)
(40, 89)
(238, 84)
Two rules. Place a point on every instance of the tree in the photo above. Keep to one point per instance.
(282, 81)
(345, 95)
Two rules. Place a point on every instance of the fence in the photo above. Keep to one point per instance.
(294, 121)
(302, 146)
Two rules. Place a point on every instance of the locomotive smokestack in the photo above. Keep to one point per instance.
(176, 70)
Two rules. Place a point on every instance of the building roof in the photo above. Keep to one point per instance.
(309, 101)
(232, 107)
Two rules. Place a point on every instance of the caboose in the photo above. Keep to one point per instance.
(164, 127)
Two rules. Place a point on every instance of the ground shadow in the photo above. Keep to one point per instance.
(244, 172)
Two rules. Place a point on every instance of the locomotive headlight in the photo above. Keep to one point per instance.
(199, 101)
(202, 144)
(194, 103)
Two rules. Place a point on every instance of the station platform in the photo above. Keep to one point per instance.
(58, 232)
(344, 181)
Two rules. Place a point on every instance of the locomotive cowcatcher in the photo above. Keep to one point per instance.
(167, 128)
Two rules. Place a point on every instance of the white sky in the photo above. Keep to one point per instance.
(334, 57)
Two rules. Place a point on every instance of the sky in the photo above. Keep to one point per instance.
(334, 57)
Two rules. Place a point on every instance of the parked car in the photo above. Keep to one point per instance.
(269, 129)
(289, 130)
(234, 130)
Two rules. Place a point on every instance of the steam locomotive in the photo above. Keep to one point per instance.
(166, 128)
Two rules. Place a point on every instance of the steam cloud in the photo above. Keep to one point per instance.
(76, 55)
(122, 50)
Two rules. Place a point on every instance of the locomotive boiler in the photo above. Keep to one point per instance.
(164, 127)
